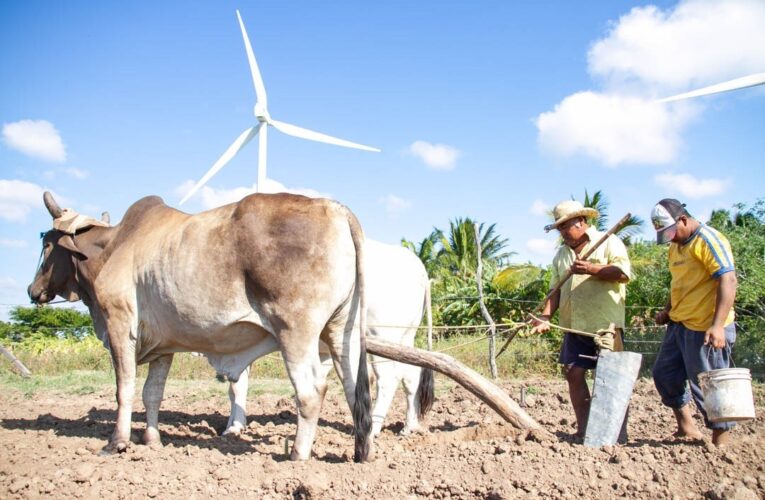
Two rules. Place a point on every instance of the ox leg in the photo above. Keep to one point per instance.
(123, 357)
(411, 377)
(308, 376)
(153, 391)
(387, 381)
(237, 394)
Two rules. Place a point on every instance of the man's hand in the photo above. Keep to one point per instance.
(604, 340)
(581, 267)
(542, 326)
(662, 317)
(715, 337)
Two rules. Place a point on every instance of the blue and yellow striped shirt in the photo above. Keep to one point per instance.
(696, 266)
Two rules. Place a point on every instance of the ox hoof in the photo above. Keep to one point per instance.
(151, 439)
(408, 431)
(297, 457)
(114, 448)
(234, 430)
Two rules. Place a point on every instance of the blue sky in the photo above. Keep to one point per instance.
(491, 110)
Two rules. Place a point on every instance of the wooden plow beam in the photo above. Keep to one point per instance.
(16, 362)
(471, 380)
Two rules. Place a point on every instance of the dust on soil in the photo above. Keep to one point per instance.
(49, 446)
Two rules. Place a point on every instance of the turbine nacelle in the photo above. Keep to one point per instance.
(261, 113)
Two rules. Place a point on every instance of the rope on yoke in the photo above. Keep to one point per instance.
(568, 330)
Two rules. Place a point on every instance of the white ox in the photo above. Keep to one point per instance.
(280, 268)
(398, 291)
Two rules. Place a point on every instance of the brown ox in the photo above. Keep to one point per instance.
(224, 281)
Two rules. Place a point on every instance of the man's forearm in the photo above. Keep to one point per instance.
(726, 296)
(607, 272)
(551, 305)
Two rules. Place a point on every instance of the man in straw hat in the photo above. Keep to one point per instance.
(592, 300)
(699, 315)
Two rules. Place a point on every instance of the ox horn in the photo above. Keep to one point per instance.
(51, 205)
(105, 218)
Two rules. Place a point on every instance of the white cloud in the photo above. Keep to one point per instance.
(614, 129)
(436, 156)
(698, 42)
(36, 138)
(538, 246)
(650, 53)
(691, 187)
(17, 198)
(77, 173)
(539, 207)
(211, 197)
(4, 242)
(395, 205)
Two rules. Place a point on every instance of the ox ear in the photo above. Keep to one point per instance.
(67, 242)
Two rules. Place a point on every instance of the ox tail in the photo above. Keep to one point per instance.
(425, 395)
(362, 407)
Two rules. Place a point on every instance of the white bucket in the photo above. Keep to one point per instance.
(727, 394)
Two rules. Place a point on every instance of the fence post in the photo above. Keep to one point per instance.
(484, 311)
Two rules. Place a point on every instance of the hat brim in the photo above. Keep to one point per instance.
(666, 234)
(589, 213)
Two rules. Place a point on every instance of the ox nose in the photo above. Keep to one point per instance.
(35, 295)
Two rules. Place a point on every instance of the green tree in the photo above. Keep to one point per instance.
(458, 253)
(648, 288)
(426, 250)
(599, 202)
(47, 322)
(745, 229)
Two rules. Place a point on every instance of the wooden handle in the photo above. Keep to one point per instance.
(586, 256)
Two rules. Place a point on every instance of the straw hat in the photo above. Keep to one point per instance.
(569, 209)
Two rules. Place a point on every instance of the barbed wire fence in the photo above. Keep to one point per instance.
(542, 351)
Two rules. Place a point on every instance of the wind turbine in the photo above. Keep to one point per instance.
(738, 83)
(264, 121)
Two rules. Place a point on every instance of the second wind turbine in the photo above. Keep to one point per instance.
(264, 121)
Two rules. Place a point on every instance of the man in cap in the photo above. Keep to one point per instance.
(699, 315)
(592, 300)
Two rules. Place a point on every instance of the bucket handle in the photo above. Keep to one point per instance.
(727, 349)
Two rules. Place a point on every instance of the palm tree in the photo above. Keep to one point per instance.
(425, 250)
(457, 255)
(599, 202)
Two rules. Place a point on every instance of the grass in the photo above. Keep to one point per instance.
(524, 357)
(84, 367)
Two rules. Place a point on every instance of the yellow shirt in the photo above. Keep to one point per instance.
(696, 266)
(586, 302)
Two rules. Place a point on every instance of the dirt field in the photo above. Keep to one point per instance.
(49, 446)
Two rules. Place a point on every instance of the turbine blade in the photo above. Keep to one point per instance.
(226, 157)
(260, 88)
(738, 83)
(304, 133)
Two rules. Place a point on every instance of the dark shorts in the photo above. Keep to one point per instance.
(575, 348)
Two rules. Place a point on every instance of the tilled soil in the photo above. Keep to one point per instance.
(49, 446)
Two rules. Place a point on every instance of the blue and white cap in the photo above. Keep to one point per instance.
(664, 217)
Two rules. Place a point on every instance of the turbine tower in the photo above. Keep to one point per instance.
(264, 121)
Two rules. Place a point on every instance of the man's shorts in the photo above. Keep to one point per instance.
(575, 348)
